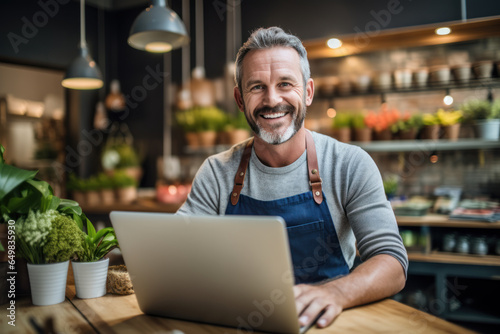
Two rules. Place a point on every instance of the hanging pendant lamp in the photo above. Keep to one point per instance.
(158, 29)
(83, 72)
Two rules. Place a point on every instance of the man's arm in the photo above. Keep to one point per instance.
(379, 277)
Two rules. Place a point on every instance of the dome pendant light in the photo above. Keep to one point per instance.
(83, 72)
(158, 29)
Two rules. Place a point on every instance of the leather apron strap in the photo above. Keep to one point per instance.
(240, 174)
(312, 167)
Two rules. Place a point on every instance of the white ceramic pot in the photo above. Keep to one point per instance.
(48, 282)
(483, 69)
(489, 129)
(421, 76)
(90, 278)
(382, 80)
(440, 75)
(402, 78)
(462, 73)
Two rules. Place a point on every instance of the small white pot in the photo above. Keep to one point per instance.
(90, 278)
(489, 129)
(48, 282)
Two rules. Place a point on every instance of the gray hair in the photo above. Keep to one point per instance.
(266, 39)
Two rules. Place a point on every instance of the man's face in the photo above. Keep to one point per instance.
(273, 97)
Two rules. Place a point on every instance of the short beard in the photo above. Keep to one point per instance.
(278, 138)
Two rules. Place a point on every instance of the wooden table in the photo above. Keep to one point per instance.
(121, 314)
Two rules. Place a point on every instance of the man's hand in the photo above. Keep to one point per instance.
(310, 300)
(378, 277)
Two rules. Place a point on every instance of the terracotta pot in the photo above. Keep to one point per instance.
(237, 136)
(343, 134)
(382, 135)
(207, 138)
(107, 196)
(408, 134)
(451, 132)
(431, 132)
(92, 198)
(363, 135)
(192, 139)
(127, 194)
(79, 196)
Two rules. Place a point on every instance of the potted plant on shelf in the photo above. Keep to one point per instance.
(186, 120)
(106, 188)
(431, 126)
(237, 129)
(407, 127)
(450, 123)
(77, 188)
(485, 115)
(48, 230)
(90, 269)
(209, 122)
(126, 187)
(342, 127)
(382, 122)
(362, 128)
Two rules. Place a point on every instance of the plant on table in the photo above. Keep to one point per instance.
(408, 126)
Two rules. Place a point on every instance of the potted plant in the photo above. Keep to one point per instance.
(126, 187)
(90, 269)
(485, 115)
(342, 127)
(186, 120)
(107, 191)
(77, 188)
(237, 129)
(92, 193)
(362, 128)
(209, 121)
(48, 230)
(407, 127)
(382, 122)
(450, 122)
(431, 126)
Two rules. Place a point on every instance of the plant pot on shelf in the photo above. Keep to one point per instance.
(48, 282)
(343, 134)
(207, 138)
(451, 132)
(382, 134)
(409, 134)
(363, 135)
(126, 194)
(488, 129)
(431, 132)
(236, 136)
(192, 139)
(107, 196)
(79, 197)
(90, 278)
(92, 198)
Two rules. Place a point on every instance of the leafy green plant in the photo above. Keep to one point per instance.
(478, 110)
(413, 122)
(342, 120)
(96, 245)
(430, 119)
(358, 121)
(47, 237)
(122, 180)
(447, 118)
(75, 183)
(199, 119)
(105, 181)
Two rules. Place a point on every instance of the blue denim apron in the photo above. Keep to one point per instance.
(314, 245)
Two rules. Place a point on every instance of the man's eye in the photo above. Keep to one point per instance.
(256, 87)
(285, 84)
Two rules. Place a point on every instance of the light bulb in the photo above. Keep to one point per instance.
(331, 112)
(442, 31)
(448, 100)
(334, 43)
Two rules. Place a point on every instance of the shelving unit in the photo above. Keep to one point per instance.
(427, 145)
(442, 265)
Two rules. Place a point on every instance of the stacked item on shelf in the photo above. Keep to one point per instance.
(477, 210)
(415, 206)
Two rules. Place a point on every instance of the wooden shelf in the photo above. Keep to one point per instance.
(427, 145)
(405, 38)
(143, 205)
(442, 257)
(434, 220)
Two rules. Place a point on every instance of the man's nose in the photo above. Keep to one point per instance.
(272, 97)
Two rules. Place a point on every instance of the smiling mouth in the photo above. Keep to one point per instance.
(273, 115)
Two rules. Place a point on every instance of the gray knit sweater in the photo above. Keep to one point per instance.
(351, 183)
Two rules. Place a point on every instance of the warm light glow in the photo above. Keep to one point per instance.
(443, 31)
(172, 190)
(334, 43)
(82, 83)
(434, 158)
(331, 112)
(158, 47)
(448, 100)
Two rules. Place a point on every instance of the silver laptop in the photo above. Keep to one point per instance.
(228, 270)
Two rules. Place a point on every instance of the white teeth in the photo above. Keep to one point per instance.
(274, 115)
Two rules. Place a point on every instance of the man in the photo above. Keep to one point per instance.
(278, 173)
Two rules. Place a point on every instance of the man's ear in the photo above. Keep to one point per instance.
(238, 98)
(309, 91)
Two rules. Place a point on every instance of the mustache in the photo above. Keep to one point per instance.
(277, 108)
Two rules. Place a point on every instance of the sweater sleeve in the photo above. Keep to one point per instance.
(369, 212)
(205, 192)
